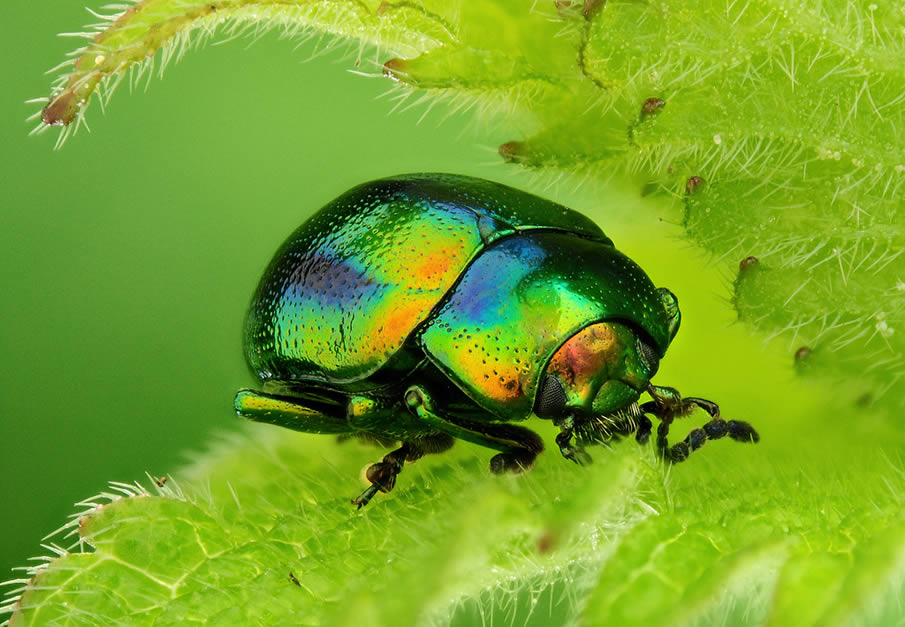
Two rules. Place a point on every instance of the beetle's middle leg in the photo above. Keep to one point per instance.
(382, 475)
(518, 446)
(668, 405)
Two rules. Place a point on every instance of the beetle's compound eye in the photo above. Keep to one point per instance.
(649, 357)
(551, 401)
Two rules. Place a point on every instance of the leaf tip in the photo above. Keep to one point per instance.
(59, 111)
(396, 69)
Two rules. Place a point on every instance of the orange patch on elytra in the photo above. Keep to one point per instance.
(401, 319)
(433, 269)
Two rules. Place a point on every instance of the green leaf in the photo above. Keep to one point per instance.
(280, 538)
(262, 530)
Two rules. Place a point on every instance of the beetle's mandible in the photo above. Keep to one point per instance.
(428, 307)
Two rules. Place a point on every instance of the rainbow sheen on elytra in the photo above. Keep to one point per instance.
(347, 289)
(432, 307)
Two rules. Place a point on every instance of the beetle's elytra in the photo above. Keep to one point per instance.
(429, 307)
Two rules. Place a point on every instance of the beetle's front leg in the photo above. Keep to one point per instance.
(577, 453)
(518, 446)
(668, 404)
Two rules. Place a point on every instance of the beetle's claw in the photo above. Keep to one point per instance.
(382, 475)
(365, 497)
(576, 454)
(580, 457)
(741, 431)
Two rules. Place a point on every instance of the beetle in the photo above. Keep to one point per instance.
(426, 308)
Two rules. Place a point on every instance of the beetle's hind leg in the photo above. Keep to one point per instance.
(668, 405)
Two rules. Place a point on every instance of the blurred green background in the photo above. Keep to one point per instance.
(129, 256)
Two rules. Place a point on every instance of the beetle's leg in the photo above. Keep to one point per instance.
(577, 453)
(382, 475)
(668, 405)
(644, 428)
(291, 413)
(519, 446)
(713, 430)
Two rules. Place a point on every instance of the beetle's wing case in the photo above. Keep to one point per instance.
(520, 300)
(345, 291)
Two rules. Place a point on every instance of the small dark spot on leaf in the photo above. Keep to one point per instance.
(546, 542)
(865, 400)
(748, 262)
(802, 354)
(652, 106)
(294, 580)
(693, 184)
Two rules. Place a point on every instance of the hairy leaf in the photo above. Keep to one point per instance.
(263, 531)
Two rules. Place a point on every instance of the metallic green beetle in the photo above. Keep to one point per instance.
(429, 307)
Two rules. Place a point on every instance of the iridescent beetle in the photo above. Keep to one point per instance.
(429, 307)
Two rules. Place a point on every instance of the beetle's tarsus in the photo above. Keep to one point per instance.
(741, 431)
(365, 497)
(518, 446)
(578, 455)
(642, 435)
(575, 454)
(382, 475)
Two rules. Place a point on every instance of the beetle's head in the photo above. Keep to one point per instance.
(599, 371)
